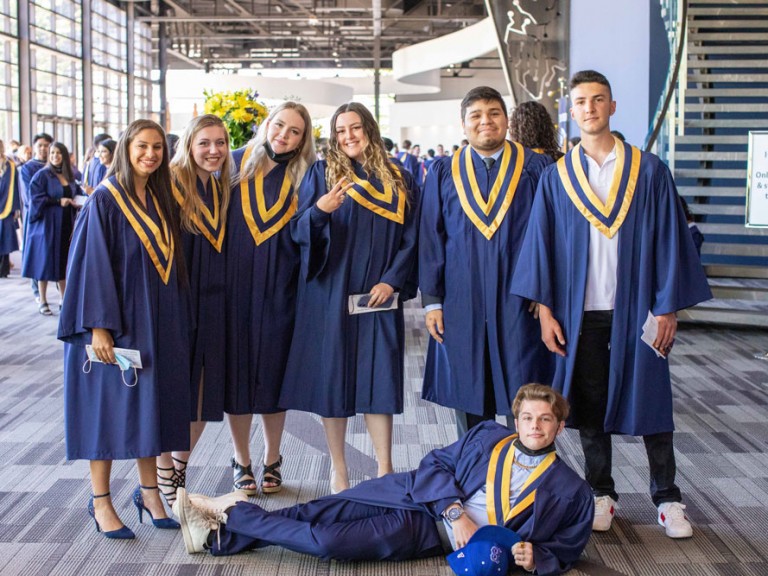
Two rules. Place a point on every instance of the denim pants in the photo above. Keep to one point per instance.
(589, 400)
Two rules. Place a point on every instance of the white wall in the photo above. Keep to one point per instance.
(613, 37)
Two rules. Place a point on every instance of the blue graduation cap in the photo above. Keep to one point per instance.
(488, 552)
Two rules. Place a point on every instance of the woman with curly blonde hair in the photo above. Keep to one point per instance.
(200, 184)
(357, 226)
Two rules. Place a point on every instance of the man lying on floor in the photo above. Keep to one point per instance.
(488, 477)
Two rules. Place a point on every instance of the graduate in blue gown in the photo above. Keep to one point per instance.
(410, 161)
(127, 289)
(10, 211)
(105, 153)
(50, 220)
(594, 306)
(200, 174)
(488, 477)
(357, 225)
(485, 341)
(261, 284)
(95, 170)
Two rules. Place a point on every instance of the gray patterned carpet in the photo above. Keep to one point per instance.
(722, 442)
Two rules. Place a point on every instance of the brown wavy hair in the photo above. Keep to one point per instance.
(531, 125)
(184, 173)
(560, 407)
(159, 182)
(374, 157)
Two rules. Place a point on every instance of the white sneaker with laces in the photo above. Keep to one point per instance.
(674, 520)
(196, 522)
(217, 505)
(605, 509)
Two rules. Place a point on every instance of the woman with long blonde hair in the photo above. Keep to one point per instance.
(262, 276)
(357, 226)
(200, 174)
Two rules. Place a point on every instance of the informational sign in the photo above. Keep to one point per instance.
(757, 180)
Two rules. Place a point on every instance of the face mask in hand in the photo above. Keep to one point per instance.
(123, 363)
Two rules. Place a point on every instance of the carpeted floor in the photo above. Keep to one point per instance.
(722, 444)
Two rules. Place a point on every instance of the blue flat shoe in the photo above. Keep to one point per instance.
(162, 523)
(123, 533)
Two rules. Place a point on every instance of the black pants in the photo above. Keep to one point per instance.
(5, 265)
(589, 400)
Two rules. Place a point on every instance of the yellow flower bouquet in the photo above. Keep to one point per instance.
(239, 110)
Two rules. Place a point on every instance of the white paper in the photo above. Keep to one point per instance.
(133, 356)
(650, 331)
(79, 200)
(358, 304)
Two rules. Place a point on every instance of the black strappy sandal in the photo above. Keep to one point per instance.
(271, 474)
(243, 476)
(168, 485)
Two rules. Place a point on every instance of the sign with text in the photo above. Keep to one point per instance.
(757, 180)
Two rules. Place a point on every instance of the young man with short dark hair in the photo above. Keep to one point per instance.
(606, 254)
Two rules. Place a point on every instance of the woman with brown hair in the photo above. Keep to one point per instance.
(125, 325)
(531, 125)
(262, 277)
(49, 224)
(357, 226)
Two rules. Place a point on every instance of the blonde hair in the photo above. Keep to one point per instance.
(297, 166)
(374, 159)
(184, 173)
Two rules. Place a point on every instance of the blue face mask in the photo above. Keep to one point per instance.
(124, 364)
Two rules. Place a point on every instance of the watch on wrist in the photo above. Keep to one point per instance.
(454, 513)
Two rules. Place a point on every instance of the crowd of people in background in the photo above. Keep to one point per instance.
(200, 284)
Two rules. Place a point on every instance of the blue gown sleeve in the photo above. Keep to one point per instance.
(432, 237)
(561, 551)
(402, 273)
(534, 276)
(310, 226)
(680, 281)
(92, 299)
(39, 199)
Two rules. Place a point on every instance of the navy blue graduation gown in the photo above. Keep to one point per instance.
(9, 205)
(48, 228)
(26, 173)
(206, 270)
(341, 365)
(114, 284)
(472, 275)
(261, 293)
(95, 172)
(410, 163)
(397, 513)
(658, 271)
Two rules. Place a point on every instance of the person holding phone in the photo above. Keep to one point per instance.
(357, 227)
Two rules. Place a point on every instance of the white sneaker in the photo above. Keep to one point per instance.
(196, 522)
(674, 520)
(605, 509)
(217, 505)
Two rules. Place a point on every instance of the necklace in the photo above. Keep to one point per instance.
(523, 466)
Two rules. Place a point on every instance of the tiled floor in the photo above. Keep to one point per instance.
(721, 393)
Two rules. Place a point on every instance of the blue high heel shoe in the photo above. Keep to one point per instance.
(123, 533)
(163, 523)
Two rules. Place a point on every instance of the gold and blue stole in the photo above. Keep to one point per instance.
(487, 215)
(157, 242)
(498, 480)
(11, 181)
(266, 222)
(609, 216)
(384, 202)
(209, 225)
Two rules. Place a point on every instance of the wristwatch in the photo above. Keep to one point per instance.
(454, 513)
